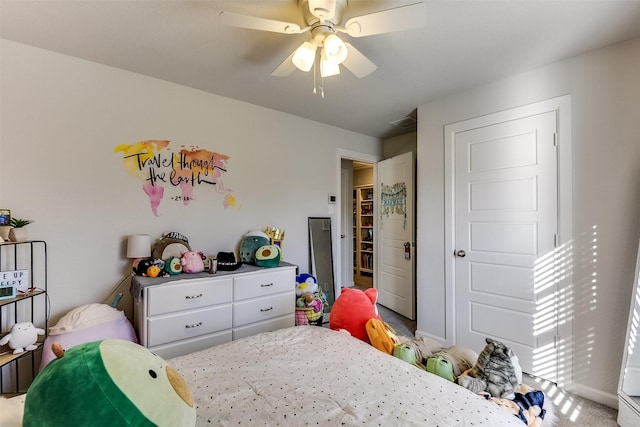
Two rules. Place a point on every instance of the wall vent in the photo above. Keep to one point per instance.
(405, 123)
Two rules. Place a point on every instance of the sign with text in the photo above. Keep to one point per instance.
(17, 278)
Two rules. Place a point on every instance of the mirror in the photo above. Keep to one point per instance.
(629, 385)
(321, 257)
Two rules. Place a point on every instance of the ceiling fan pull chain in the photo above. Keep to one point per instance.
(314, 77)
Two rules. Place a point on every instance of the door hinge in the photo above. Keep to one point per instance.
(555, 240)
(555, 139)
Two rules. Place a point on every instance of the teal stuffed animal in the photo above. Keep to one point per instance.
(107, 384)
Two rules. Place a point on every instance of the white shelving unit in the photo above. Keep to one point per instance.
(18, 370)
(363, 236)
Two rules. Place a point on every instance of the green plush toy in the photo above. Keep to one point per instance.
(440, 366)
(108, 383)
(407, 353)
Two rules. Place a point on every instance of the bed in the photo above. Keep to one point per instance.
(308, 375)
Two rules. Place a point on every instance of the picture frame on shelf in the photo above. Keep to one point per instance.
(5, 217)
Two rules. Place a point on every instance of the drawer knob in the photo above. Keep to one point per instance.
(193, 296)
(266, 285)
(266, 309)
(193, 325)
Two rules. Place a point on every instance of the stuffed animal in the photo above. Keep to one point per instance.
(304, 300)
(497, 371)
(86, 323)
(460, 358)
(405, 352)
(352, 310)
(267, 256)
(171, 244)
(173, 266)
(150, 267)
(440, 366)
(192, 261)
(250, 244)
(22, 337)
(381, 335)
(108, 383)
(306, 283)
(528, 405)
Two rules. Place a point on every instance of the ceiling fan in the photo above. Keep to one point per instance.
(324, 21)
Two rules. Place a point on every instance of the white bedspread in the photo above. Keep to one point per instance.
(308, 375)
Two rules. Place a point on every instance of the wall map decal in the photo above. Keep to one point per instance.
(159, 167)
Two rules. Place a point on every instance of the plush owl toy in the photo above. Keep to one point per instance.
(108, 383)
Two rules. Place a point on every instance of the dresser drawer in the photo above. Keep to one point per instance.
(252, 286)
(255, 310)
(188, 295)
(185, 325)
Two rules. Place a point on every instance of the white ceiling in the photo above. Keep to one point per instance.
(463, 44)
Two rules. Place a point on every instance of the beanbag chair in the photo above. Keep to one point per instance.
(91, 322)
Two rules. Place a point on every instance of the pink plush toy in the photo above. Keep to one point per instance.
(351, 311)
(192, 261)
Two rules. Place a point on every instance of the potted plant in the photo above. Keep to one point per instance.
(18, 233)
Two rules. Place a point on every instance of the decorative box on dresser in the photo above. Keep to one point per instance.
(190, 312)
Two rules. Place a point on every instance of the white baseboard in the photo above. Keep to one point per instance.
(431, 336)
(599, 396)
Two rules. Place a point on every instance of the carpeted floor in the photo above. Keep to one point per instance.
(570, 410)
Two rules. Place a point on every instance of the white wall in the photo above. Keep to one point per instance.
(401, 144)
(61, 119)
(605, 90)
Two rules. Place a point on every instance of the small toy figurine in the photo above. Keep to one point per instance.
(22, 337)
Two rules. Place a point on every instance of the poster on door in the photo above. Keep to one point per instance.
(393, 199)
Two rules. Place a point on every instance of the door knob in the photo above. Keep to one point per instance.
(461, 253)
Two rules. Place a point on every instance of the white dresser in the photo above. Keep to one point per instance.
(190, 312)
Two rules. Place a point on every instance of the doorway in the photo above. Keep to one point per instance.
(345, 226)
(362, 219)
(377, 224)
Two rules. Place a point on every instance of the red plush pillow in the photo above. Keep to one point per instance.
(352, 309)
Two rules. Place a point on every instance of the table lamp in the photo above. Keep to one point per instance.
(138, 247)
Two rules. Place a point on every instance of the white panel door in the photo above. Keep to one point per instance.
(395, 252)
(505, 232)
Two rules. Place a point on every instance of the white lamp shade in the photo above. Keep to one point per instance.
(304, 56)
(328, 68)
(139, 246)
(334, 49)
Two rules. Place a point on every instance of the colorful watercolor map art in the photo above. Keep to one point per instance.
(160, 168)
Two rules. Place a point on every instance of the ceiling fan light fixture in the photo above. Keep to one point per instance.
(304, 56)
(334, 49)
(328, 68)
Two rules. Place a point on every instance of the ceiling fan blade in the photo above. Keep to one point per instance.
(257, 23)
(285, 68)
(357, 63)
(387, 21)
